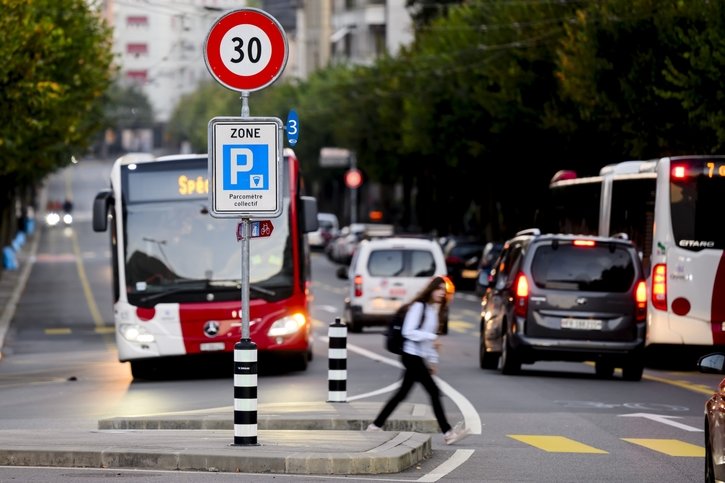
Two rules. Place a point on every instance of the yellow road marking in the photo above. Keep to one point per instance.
(460, 326)
(90, 301)
(62, 331)
(702, 389)
(671, 447)
(556, 444)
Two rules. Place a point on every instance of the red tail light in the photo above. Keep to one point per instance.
(584, 243)
(659, 286)
(679, 172)
(640, 297)
(450, 288)
(453, 260)
(521, 301)
(358, 285)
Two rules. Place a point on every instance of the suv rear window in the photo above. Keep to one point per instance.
(595, 269)
(401, 263)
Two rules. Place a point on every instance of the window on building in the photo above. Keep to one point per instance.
(137, 49)
(138, 76)
(377, 33)
(137, 21)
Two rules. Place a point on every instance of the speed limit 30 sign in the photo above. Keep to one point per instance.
(246, 49)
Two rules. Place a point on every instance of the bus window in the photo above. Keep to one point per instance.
(696, 203)
(633, 204)
(573, 208)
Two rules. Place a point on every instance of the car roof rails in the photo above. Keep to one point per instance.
(529, 231)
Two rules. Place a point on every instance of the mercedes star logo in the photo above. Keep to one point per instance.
(211, 328)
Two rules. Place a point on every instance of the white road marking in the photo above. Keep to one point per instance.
(470, 415)
(661, 418)
(327, 308)
(458, 458)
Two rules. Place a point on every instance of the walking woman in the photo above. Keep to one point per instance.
(420, 358)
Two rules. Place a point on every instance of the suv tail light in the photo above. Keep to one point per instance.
(640, 297)
(358, 285)
(659, 286)
(521, 300)
(450, 288)
(454, 260)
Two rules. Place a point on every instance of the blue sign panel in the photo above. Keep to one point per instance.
(245, 166)
(293, 127)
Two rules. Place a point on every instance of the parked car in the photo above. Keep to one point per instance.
(328, 229)
(386, 273)
(565, 297)
(714, 420)
(462, 255)
(490, 253)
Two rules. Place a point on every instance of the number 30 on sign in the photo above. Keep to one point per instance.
(246, 49)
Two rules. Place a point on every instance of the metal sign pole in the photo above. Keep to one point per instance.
(245, 247)
(230, 140)
(245, 279)
(245, 351)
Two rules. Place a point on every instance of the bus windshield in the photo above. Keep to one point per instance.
(176, 251)
(696, 206)
(175, 247)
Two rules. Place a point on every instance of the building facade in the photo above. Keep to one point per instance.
(159, 46)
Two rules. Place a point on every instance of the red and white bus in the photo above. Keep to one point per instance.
(177, 270)
(671, 208)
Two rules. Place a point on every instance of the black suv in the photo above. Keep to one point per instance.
(565, 298)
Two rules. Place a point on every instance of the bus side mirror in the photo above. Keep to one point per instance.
(308, 206)
(101, 204)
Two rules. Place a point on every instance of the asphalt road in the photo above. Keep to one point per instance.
(555, 422)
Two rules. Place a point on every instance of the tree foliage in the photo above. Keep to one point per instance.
(55, 65)
(495, 96)
(55, 59)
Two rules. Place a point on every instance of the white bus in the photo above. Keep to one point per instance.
(671, 208)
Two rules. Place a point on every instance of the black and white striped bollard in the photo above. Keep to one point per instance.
(337, 368)
(245, 393)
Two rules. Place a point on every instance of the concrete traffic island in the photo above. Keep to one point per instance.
(294, 438)
(285, 452)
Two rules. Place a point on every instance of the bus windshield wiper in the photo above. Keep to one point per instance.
(180, 286)
(238, 285)
(204, 285)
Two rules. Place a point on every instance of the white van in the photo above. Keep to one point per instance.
(384, 274)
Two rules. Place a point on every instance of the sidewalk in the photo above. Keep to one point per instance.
(293, 438)
(310, 438)
(12, 283)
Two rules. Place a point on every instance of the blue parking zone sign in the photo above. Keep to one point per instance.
(245, 166)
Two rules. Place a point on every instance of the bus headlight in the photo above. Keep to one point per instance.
(288, 325)
(136, 333)
(52, 218)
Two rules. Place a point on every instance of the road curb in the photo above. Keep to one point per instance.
(342, 453)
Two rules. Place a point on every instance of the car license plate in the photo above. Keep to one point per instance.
(582, 324)
(469, 273)
(211, 346)
(380, 303)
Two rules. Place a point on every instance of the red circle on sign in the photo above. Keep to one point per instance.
(277, 61)
(353, 178)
